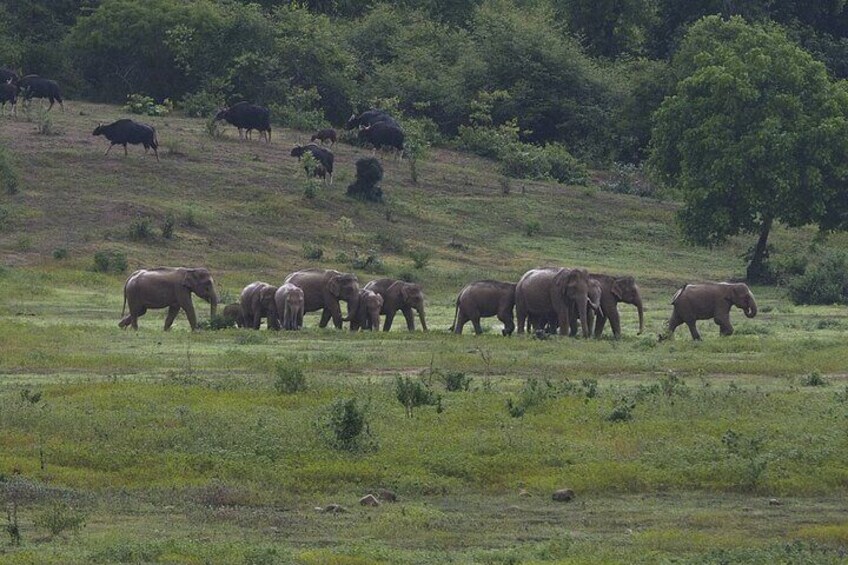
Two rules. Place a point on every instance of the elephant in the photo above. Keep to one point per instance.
(710, 300)
(399, 295)
(322, 289)
(290, 302)
(481, 299)
(367, 313)
(593, 307)
(553, 289)
(233, 315)
(167, 287)
(257, 302)
(614, 290)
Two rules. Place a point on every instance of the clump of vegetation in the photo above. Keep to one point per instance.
(288, 378)
(168, 226)
(534, 393)
(627, 178)
(532, 227)
(455, 381)
(388, 243)
(201, 104)
(370, 261)
(60, 517)
(145, 105)
(346, 426)
(218, 322)
(413, 393)
(814, 379)
(622, 410)
(41, 118)
(60, 253)
(110, 262)
(825, 282)
(420, 258)
(9, 177)
(312, 252)
(141, 229)
(749, 451)
(369, 173)
(213, 128)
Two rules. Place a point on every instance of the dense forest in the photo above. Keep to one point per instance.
(544, 86)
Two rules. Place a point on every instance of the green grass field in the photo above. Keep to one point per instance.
(178, 447)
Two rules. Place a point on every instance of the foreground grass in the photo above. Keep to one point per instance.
(177, 447)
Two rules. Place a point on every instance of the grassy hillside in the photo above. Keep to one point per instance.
(179, 448)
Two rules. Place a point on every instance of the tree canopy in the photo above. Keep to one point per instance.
(755, 132)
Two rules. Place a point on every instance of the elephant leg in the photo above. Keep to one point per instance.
(461, 319)
(600, 322)
(509, 325)
(615, 322)
(521, 318)
(186, 305)
(257, 320)
(725, 328)
(336, 314)
(126, 321)
(410, 318)
(477, 328)
(172, 313)
(325, 318)
(694, 330)
(390, 316)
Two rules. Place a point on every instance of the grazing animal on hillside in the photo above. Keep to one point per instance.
(9, 93)
(257, 302)
(233, 314)
(34, 86)
(399, 295)
(167, 287)
(547, 290)
(249, 117)
(482, 299)
(369, 118)
(323, 156)
(366, 316)
(383, 135)
(710, 300)
(328, 134)
(8, 76)
(127, 131)
(290, 302)
(322, 290)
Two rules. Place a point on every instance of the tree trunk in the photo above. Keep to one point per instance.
(756, 268)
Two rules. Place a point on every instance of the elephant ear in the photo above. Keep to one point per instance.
(405, 291)
(740, 294)
(621, 285)
(333, 285)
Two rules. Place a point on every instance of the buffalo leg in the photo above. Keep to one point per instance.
(109, 149)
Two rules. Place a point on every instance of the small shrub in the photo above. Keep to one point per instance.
(532, 228)
(9, 177)
(43, 122)
(420, 258)
(823, 283)
(110, 262)
(814, 379)
(201, 104)
(369, 173)
(58, 518)
(842, 396)
(407, 276)
(189, 218)
(288, 378)
(168, 226)
(748, 449)
(60, 253)
(413, 393)
(5, 219)
(218, 322)
(312, 252)
(141, 229)
(388, 243)
(348, 426)
(213, 128)
(533, 393)
(310, 189)
(590, 386)
(145, 105)
(370, 262)
(455, 381)
(627, 178)
(622, 410)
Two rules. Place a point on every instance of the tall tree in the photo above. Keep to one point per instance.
(755, 133)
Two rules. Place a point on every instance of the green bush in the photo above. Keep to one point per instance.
(59, 517)
(312, 252)
(60, 253)
(626, 178)
(288, 378)
(201, 104)
(347, 424)
(370, 262)
(145, 105)
(141, 229)
(622, 410)
(455, 381)
(420, 258)
(9, 177)
(532, 227)
(110, 262)
(825, 282)
(168, 226)
(814, 379)
(413, 393)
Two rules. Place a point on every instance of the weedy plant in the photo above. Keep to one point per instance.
(346, 426)
(288, 378)
(413, 393)
(110, 262)
(60, 517)
(749, 450)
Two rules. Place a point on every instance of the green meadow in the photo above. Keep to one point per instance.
(180, 447)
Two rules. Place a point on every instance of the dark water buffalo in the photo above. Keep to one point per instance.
(369, 118)
(324, 157)
(383, 135)
(127, 131)
(34, 86)
(9, 93)
(328, 134)
(8, 76)
(249, 117)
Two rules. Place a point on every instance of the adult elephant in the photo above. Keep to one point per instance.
(399, 295)
(167, 287)
(553, 289)
(482, 299)
(322, 289)
(710, 300)
(257, 302)
(613, 291)
(593, 308)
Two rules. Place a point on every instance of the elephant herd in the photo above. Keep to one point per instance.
(546, 299)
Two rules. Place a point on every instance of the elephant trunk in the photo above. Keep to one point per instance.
(213, 304)
(584, 318)
(421, 317)
(751, 310)
(641, 310)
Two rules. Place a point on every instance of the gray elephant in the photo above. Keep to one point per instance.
(482, 299)
(167, 287)
(257, 302)
(290, 302)
(553, 289)
(593, 308)
(322, 289)
(613, 291)
(233, 315)
(369, 305)
(400, 295)
(710, 300)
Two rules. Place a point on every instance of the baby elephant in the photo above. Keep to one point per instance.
(482, 299)
(367, 313)
(290, 304)
(710, 300)
(257, 302)
(233, 315)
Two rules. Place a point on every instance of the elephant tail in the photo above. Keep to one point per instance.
(124, 307)
(455, 315)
